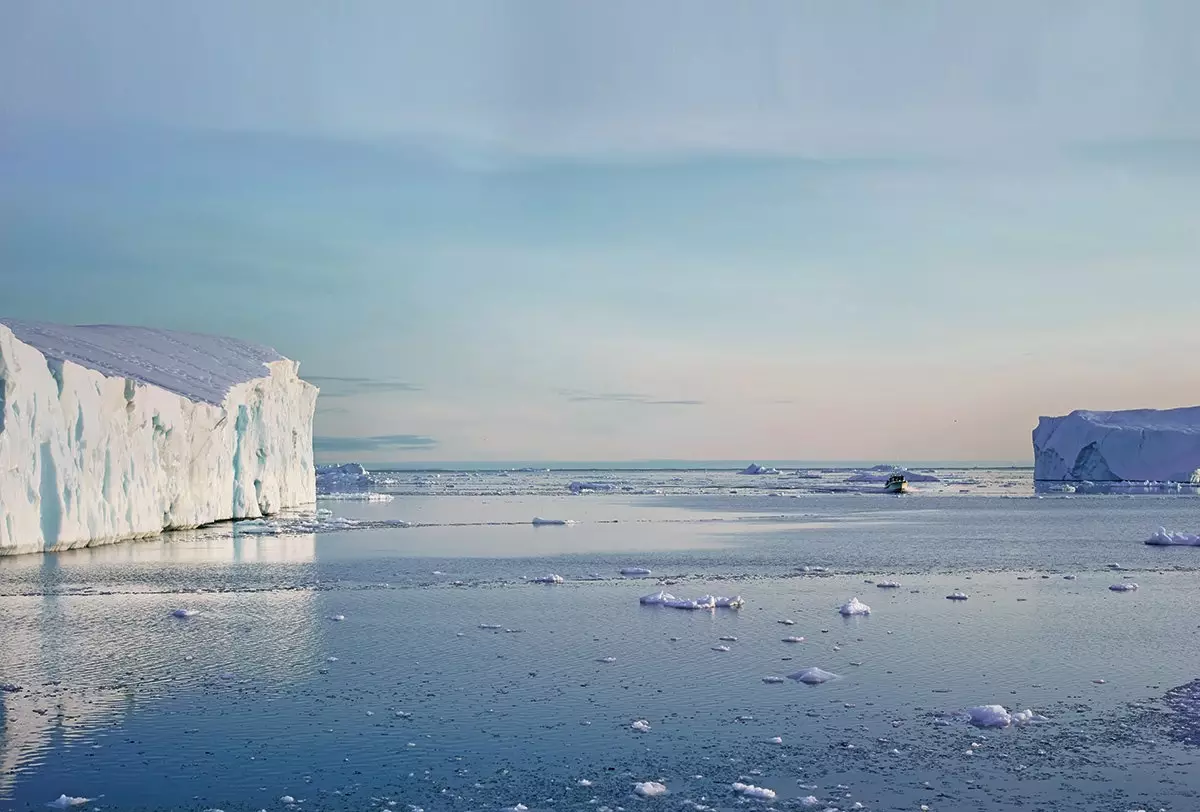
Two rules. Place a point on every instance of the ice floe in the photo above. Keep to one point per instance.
(793, 639)
(516, 808)
(736, 602)
(539, 521)
(337, 618)
(638, 571)
(583, 487)
(775, 740)
(813, 676)
(184, 613)
(998, 716)
(772, 680)
(649, 789)
(854, 607)
(720, 648)
(751, 791)
(809, 801)
(67, 801)
(366, 496)
(957, 595)
(657, 599)
(641, 726)
(549, 579)
(1127, 586)
(1164, 538)
(888, 584)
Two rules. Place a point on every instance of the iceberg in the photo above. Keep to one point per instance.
(1164, 538)
(754, 469)
(854, 607)
(813, 676)
(998, 716)
(880, 474)
(110, 433)
(348, 477)
(1138, 445)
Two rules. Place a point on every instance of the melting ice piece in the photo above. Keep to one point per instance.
(956, 595)
(888, 584)
(854, 607)
(813, 676)
(809, 801)
(491, 626)
(751, 791)
(182, 613)
(606, 660)
(1027, 717)
(729, 638)
(720, 648)
(338, 618)
(787, 622)
(635, 571)
(549, 579)
(649, 789)
(989, 716)
(516, 808)
(657, 599)
(736, 602)
(1128, 586)
(583, 782)
(772, 680)
(776, 740)
(641, 726)
(538, 521)
(66, 802)
(1068, 577)
(705, 602)
(1165, 538)
(793, 639)
(287, 799)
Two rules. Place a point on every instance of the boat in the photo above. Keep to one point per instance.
(896, 483)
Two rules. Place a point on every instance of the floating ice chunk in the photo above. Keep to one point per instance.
(705, 602)
(516, 808)
(989, 716)
(720, 648)
(367, 496)
(736, 602)
(583, 782)
(538, 521)
(67, 801)
(854, 607)
(772, 680)
(1163, 538)
(184, 613)
(337, 618)
(581, 487)
(657, 599)
(1128, 586)
(888, 584)
(1069, 577)
(287, 799)
(809, 801)
(606, 660)
(754, 469)
(751, 791)
(809, 569)
(491, 626)
(776, 740)
(641, 726)
(813, 676)
(635, 571)
(1027, 717)
(549, 579)
(787, 622)
(649, 789)
(793, 639)
(957, 595)
(729, 638)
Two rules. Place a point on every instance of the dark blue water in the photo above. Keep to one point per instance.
(407, 701)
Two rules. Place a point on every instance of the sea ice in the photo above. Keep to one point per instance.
(793, 639)
(1128, 586)
(809, 801)
(772, 680)
(66, 802)
(641, 726)
(649, 789)
(635, 571)
(287, 799)
(888, 584)
(754, 469)
(775, 740)
(337, 618)
(956, 595)
(736, 602)
(729, 638)
(538, 521)
(657, 599)
(854, 607)
(813, 676)
(720, 648)
(1139, 445)
(346, 478)
(184, 613)
(582, 487)
(998, 716)
(881, 476)
(704, 602)
(1165, 538)
(549, 579)
(751, 791)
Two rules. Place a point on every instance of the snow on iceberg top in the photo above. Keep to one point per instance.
(199, 367)
(1185, 419)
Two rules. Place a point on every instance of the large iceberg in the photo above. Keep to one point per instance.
(1130, 446)
(110, 433)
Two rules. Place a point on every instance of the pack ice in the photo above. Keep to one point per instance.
(1137, 445)
(110, 433)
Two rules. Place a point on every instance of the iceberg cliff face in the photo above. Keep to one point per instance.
(110, 433)
(1136, 445)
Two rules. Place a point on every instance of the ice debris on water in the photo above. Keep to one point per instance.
(635, 571)
(888, 584)
(657, 599)
(772, 680)
(813, 676)
(538, 521)
(583, 782)
(751, 791)
(286, 799)
(516, 808)
(998, 716)
(549, 579)
(1127, 586)
(649, 789)
(641, 726)
(793, 639)
(184, 613)
(662, 598)
(957, 595)
(720, 648)
(337, 618)
(809, 801)
(67, 801)
(1164, 538)
(854, 607)
(775, 740)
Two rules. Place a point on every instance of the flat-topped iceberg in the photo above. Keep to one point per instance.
(111, 433)
(1139, 445)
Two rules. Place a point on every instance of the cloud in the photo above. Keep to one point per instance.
(334, 386)
(577, 396)
(382, 442)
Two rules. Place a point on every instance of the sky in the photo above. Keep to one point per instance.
(664, 229)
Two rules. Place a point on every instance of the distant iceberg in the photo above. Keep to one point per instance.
(880, 474)
(345, 478)
(1138, 445)
(538, 521)
(754, 469)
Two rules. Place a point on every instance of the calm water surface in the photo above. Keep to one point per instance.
(408, 701)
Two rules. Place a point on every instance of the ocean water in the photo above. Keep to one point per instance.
(398, 655)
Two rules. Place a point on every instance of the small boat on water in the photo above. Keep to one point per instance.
(896, 483)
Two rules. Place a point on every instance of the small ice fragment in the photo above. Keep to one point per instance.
(1068, 577)
(338, 618)
(787, 622)
(659, 598)
(809, 801)
(635, 571)
(649, 789)
(1128, 586)
(720, 648)
(583, 782)
(729, 638)
(641, 726)
(538, 521)
(606, 660)
(813, 676)
(66, 802)
(1026, 717)
(989, 716)
(772, 680)
(331, 659)
(286, 799)
(490, 626)
(957, 595)
(184, 613)
(854, 607)
(776, 740)
(735, 602)
(793, 639)
(751, 791)
(549, 579)
(516, 808)
(888, 584)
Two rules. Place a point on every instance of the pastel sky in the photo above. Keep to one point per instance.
(630, 229)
